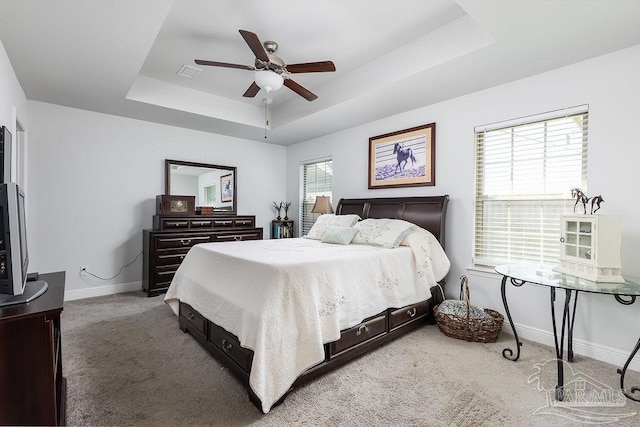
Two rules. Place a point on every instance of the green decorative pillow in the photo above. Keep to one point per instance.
(339, 235)
(384, 232)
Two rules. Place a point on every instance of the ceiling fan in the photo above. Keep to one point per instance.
(271, 72)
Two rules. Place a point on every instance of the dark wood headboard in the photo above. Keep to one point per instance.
(426, 212)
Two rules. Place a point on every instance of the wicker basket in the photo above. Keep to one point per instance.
(466, 328)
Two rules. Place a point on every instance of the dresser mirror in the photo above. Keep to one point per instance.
(213, 186)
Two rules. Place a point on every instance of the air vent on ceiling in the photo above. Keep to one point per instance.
(189, 72)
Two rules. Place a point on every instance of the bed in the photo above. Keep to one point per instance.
(278, 313)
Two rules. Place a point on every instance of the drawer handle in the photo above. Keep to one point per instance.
(361, 329)
(185, 242)
(224, 222)
(238, 238)
(182, 256)
(562, 240)
(192, 316)
(412, 312)
(226, 346)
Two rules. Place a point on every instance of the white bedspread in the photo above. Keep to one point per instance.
(285, 298)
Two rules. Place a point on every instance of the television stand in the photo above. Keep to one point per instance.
(33, 390)
(32, 290)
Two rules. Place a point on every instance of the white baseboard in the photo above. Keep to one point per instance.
(98, 291)
(603, 353)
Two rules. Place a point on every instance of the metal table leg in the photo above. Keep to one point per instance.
(568, 318)
(623, 371)
(507, 353)
(630, 394)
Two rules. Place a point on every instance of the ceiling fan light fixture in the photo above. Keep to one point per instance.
(268, 80)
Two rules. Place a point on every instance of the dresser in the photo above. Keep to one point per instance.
(32, 388)
(172, 236)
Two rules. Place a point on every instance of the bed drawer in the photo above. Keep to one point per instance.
(193, 317)
(185, 241)
(406, 314)
(231, 346)
(359, 334)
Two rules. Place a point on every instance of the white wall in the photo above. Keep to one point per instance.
(13, 106)
(93, 181)
(609, 84)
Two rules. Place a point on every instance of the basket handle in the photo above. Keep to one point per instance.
(464, 293)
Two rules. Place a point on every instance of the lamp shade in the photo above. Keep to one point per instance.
(322, 205)
(268, 80)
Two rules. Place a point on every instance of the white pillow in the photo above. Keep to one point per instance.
(339, 235)
(384, 232)
(327, 220)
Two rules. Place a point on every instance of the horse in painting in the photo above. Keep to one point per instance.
(403, 156)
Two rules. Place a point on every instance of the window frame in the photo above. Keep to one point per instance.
(536, 241)
(321, 185)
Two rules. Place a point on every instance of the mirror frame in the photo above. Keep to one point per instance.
(232, 169)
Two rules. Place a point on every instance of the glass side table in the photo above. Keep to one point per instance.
(543, 275)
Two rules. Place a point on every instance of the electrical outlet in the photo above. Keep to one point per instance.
(83, 270)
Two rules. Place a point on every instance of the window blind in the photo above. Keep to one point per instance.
(316, 179)
(524, 174)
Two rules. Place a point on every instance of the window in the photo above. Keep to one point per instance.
(210, 195)
(525, 170)
(315, 180)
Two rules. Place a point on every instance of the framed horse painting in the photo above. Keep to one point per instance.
(226, 188)
(405, 158)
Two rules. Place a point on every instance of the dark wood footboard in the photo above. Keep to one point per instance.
(354, 342)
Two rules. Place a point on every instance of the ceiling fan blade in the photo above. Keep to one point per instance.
(254, 44)
(224, 64)
(305, 93)
(312, 67)
(252, 91)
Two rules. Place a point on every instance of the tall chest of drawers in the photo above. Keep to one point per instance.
(171, 238)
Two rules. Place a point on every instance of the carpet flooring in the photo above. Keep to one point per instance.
(127, 363)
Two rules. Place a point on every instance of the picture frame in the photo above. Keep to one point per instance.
(405, 158)
(226, 188)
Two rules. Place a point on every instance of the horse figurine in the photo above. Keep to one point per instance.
(403, 155)
(595, 201)
(580, 198)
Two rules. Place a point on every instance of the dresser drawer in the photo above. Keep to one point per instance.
(238, 235)
(175, 224)
(193, 317)
(174, 257)
(359, 334)
(229, 343)
(244, 222)
(222, 222)
(180, 241)
(201, 223)
(407, 314)
(164, 276)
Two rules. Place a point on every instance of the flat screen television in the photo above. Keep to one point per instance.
(5, 154)
(14, 256)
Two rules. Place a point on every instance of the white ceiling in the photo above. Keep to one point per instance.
(122, 56)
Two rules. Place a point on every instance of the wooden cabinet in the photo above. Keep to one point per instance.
(281, 229)
(32, 388)
(168, 243)
(590, 247)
